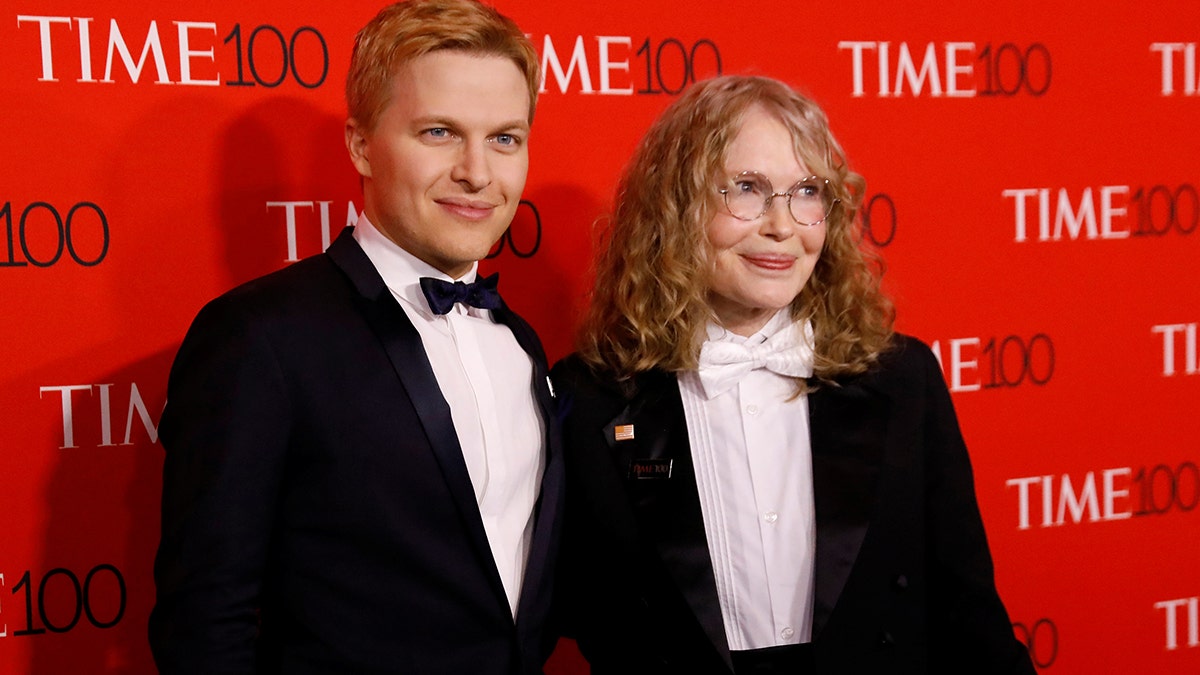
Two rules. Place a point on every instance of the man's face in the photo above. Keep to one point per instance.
(445, 165)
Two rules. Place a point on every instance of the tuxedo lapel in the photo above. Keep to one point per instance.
(529, 342)
(849, 429)
(408, 358)
(669, 508)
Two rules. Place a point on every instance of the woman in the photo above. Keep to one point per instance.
(762, 476)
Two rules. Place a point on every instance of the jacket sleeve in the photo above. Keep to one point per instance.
(224, 429)
(970, 630)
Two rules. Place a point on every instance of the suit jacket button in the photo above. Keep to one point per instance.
(900, 583)
(886, 640)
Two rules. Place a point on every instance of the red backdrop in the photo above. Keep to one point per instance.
(1031, 180)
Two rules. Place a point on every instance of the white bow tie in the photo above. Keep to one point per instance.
(788, 352)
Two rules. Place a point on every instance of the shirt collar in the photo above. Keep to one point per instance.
(401, 270)
(782, 319)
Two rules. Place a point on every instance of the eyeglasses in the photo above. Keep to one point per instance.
(749, 195)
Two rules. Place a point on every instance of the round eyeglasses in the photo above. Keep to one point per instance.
(749, 195)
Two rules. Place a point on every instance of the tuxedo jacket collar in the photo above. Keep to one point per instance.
(849, 427)
(404, 349)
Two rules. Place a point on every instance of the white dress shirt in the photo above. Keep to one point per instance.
(487, 379)
(753, 456)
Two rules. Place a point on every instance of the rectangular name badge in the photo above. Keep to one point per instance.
(650, 469)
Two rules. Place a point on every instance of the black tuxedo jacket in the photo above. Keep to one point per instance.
(903, 575)
(318, 516)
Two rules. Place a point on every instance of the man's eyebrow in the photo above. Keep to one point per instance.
(515, 125)
(521, 124)
(435, 120)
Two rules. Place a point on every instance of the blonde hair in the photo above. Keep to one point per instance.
(649, 302)
(404, 31)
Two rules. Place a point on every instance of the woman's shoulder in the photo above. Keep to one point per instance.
(572, 371)
(570, 366)
(906, 365)
(581, 379)
(906, 350)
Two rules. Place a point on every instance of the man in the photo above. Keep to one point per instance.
(358, 477)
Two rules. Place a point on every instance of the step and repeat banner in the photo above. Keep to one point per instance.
(1033, 184)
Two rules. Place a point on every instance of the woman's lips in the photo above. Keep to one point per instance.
(771, 262)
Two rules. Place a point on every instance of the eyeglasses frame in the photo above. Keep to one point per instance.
(769, 198)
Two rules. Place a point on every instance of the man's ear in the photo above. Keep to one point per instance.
(356, 145)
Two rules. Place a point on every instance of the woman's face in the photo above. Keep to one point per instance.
(761, 265)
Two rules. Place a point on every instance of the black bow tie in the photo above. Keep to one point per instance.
(443, 295)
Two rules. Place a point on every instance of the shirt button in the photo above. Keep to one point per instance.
(771, 517)
(752, 409)
(787, 633)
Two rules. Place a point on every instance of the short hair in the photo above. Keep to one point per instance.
(650, 298)
(404, 31)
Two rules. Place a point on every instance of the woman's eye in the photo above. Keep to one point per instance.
(750, 186)
(809, 190)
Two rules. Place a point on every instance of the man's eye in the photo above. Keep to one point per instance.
(438, 132)
(507, 139)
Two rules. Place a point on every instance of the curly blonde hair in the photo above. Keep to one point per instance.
(650, 299)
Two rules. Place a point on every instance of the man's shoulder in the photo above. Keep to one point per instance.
(310, 275)
(305, 288)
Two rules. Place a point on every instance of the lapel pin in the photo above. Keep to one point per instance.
(623, 432)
